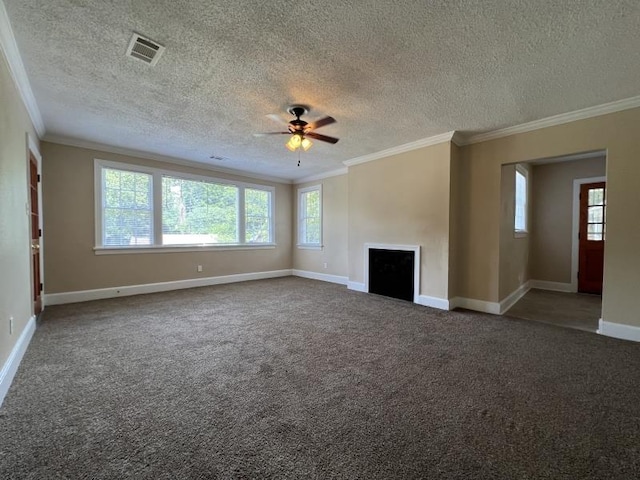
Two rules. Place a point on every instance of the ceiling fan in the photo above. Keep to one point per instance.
(300, 130)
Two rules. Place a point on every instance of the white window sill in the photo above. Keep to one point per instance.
(520, 234)
(180, 248)
(302, 246)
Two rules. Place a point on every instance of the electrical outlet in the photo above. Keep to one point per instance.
(10, 325)
(325, 265)
(199, 268)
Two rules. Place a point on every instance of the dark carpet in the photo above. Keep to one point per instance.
(294, 378)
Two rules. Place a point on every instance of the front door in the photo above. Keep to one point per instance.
(592, 237)
(35, 234)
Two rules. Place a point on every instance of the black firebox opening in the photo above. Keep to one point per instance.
(391, 273)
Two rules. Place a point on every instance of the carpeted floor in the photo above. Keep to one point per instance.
(294, 378)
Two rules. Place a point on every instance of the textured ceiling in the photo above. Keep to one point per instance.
(390, 72)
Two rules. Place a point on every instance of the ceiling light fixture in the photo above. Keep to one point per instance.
(297, 141)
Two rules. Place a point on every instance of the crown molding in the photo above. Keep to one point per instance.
(321, 176)
(9, 48)
(407, 147)
(74, 142)
(604, 109)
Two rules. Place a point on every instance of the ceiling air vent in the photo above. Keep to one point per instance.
(144, 49)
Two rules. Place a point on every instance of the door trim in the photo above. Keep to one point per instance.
(32, 149)
(575, 227)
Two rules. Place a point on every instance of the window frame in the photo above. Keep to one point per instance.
(156, 185)
(520, 233)
(306, 245)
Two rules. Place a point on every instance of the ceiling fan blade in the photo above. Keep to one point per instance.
(321, 123)
(322, 138)
(276, 118)
(264, 134)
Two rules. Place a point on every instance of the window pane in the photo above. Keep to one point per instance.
(521, 202)
(127, 213)
(594, 228)
(596, 196)
(257, 215)
(310, 221)
(595, 214)
(595, 232)
(196, 212)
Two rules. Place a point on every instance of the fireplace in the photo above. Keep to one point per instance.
(393, 270)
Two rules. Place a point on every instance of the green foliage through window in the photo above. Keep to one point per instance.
(196, 212)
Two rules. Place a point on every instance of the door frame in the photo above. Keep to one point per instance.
(32, 149)
(575, 241)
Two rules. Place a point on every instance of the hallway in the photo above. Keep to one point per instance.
(571, 310)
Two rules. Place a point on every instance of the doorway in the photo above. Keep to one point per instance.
(591, 237)
(35, 226)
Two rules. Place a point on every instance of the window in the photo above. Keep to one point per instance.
(310, 216)
(257, 207)
(522, 180)
(596, 226)
(127, 208)
(198, 212)
(146, 208)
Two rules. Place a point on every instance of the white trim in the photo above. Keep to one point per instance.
(303, 246)
(575, 227)
(552, 286)
(434, 302)
(476, 305)
(128, 290)
(322, 176)
(321, 276)
(513, 297)
(356, 286)
(180, 248)
(554, 120)
(101, 147)
(10, 367)
(9, 47)
(385, 246)
(619, 330)
(407, 147)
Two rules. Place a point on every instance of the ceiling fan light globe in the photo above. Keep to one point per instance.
(306, 144)
(296, 140)
(290, 147)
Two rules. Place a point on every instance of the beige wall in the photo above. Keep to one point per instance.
(403, 199)
(15, 256)
(514, 250)
(551, 227)
(334, 230)
(69, 233)
(481, 209)
(455, 216)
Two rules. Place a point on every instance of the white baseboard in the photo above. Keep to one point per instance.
(357, 286)
(98, 294)
(435, 302)
(513, 297)
(10, 367)
(618, 330)
(553, 286)
(321, 276)
(476, 305)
